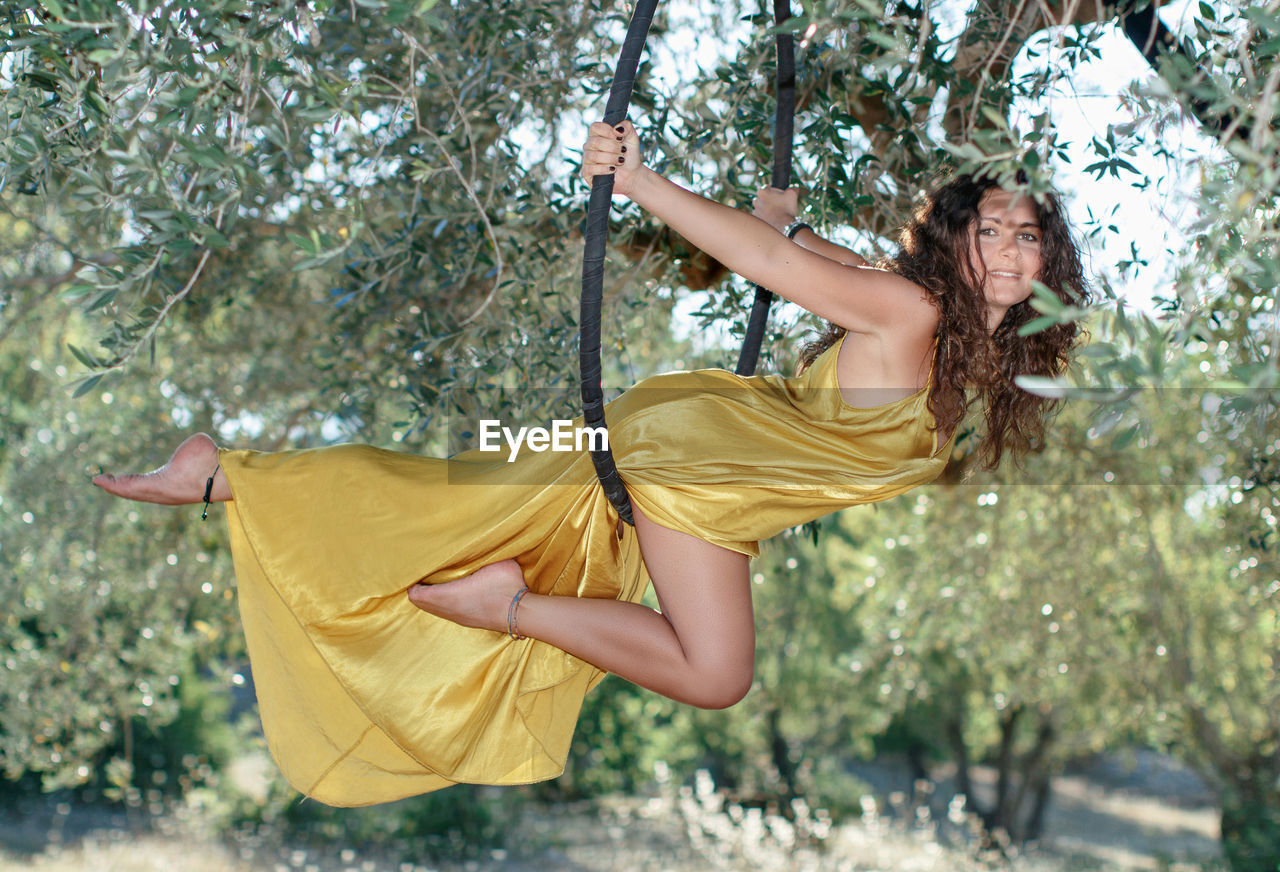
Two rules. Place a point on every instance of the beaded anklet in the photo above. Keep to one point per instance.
(208, 492)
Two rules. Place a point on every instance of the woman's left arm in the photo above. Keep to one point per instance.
(779, 207)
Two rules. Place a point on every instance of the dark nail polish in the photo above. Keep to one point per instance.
(622, 160)
(619, 139)
(620, 129)
(624, 149)
(613, 169)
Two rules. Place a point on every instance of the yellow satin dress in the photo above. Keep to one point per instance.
(364, 698)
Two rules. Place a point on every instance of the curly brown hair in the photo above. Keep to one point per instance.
(934, 254)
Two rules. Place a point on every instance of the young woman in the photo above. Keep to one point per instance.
(394, 646)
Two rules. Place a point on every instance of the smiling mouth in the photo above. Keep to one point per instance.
(1005, 275)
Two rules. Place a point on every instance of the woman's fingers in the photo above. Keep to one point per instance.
(776, 206)
(788, 198)
(613, 150)
(602, 150)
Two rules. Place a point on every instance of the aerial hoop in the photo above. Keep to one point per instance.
(597, 229)
(596, 232)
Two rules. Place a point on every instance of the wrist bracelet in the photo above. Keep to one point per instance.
(795, 227)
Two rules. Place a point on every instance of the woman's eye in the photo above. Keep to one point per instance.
(1030, 237)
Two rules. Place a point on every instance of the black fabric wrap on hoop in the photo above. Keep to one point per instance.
(596, 231)
(783, 128)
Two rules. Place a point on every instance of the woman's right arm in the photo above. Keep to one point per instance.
(861, 299)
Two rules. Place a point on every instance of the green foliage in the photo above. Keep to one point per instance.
(231, 147)
(1156, 576)
(458, 821)
(105, 614)
(1249, 835)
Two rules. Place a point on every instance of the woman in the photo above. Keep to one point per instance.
(395, 648)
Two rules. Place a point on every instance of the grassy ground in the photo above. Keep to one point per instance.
(1094, 824)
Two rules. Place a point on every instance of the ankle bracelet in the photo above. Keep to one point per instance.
(513, 623)
(208, 492)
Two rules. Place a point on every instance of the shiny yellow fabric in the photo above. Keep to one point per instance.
(364, 698)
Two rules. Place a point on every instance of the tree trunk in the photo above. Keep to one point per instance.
(1003, 816)
(1021, 779)
(955, 738)
(1040, 804)
(780, 752)
(1034, 780)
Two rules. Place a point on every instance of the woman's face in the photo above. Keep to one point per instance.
(1006, 250)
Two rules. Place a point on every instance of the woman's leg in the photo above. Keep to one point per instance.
(180, 481)
(700, 649)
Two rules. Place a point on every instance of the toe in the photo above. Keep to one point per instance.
(106, 481)
(419, 596)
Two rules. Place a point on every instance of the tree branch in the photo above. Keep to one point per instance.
(1155, 42)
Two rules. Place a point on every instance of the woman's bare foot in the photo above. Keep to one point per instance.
(480, 599)
(180, 481)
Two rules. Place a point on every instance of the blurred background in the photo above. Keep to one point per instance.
(292, 224)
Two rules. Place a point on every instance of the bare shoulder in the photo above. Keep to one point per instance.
(862, 299)
(882, 302)
(884, 365)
